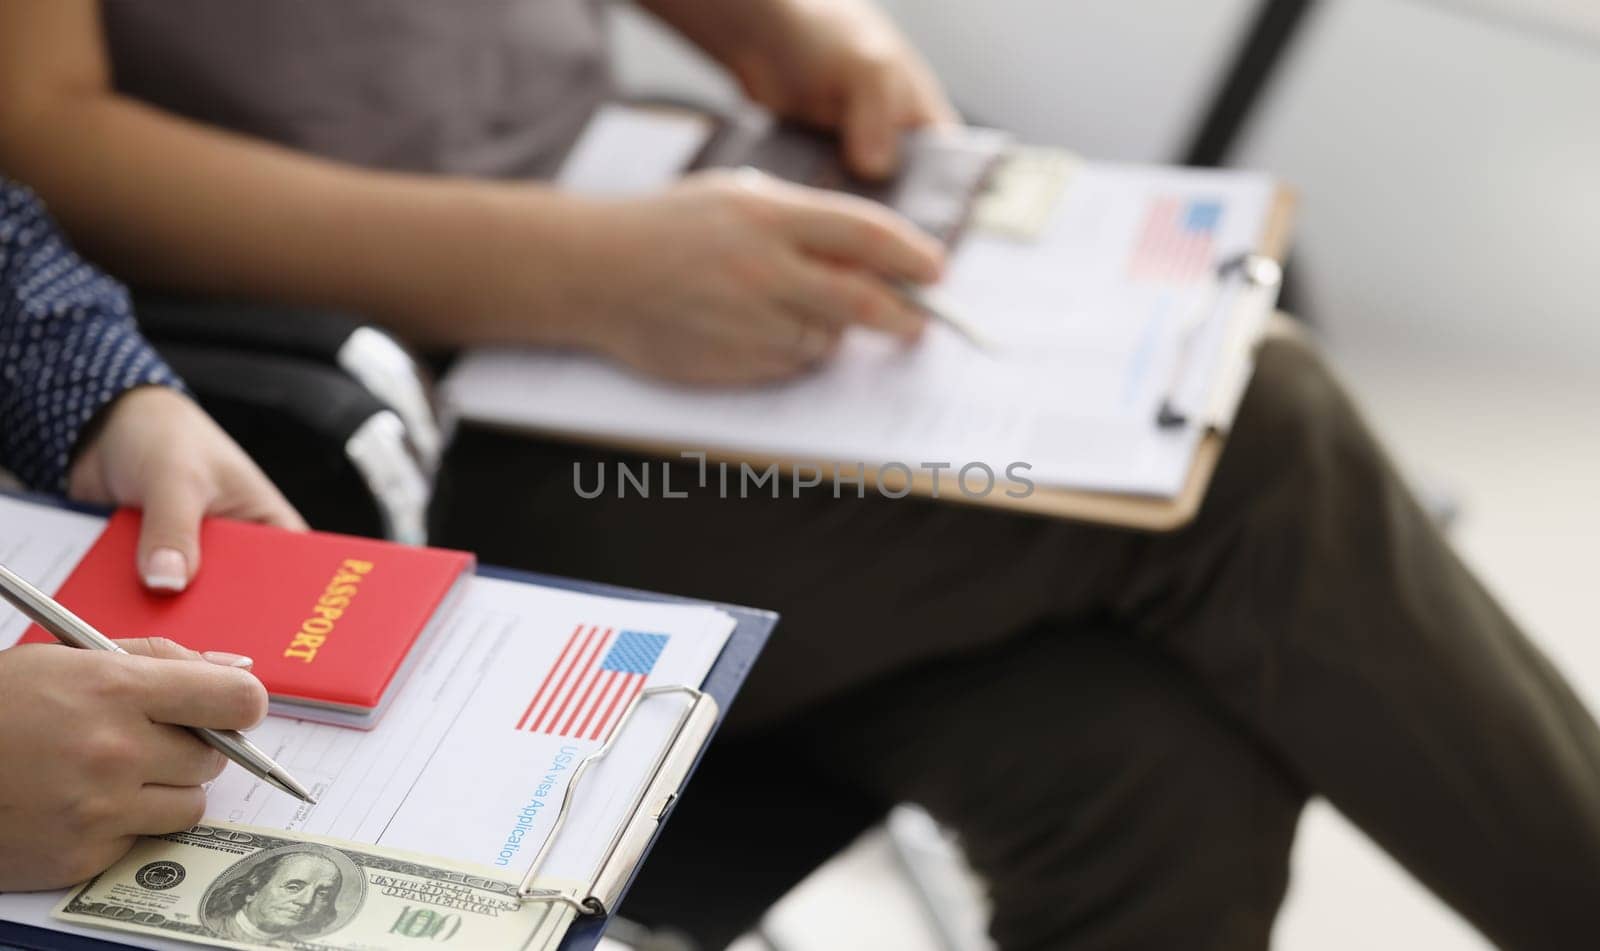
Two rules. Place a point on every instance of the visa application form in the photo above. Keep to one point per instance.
(1090, 324)
(472, 760)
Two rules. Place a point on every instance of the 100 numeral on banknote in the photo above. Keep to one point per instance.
(240, 887)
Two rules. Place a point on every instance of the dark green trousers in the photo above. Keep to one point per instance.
(1122, 727)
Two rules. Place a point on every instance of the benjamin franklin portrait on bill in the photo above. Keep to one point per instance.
(284, 895)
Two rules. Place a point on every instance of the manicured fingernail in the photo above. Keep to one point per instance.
(225, 659)
(166, 570)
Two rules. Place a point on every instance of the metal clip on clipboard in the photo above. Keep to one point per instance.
(1257, 271)
(655, 798)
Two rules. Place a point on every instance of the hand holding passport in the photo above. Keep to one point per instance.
(332, 621)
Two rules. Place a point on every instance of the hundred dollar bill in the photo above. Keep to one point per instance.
(241, 887)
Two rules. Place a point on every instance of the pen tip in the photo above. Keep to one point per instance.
(288, 784)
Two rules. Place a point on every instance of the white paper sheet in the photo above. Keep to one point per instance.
(42, 544)
(447, 772)
(1085, 349)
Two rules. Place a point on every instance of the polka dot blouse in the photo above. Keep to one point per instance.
(68, 344)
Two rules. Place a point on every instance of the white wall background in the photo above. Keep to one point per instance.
(1451, 166)
(1448, 156)
(1080, 73)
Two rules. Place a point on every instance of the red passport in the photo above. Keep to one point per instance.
(332, 621)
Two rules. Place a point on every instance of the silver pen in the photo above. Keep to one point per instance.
(73, 631)
(920, 299)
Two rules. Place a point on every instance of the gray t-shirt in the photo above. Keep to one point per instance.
(495, 88)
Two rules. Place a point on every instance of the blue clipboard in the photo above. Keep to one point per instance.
(723, 682)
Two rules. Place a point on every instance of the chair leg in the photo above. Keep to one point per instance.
(938, 874)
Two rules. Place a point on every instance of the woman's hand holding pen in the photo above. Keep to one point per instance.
(736, 277)
(106, 758)
(102, 732)
(156, 450)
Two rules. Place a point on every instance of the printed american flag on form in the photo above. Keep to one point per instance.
(1177, 242)
(585, 691)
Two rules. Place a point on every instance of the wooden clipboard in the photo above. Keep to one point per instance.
(1148, 513)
